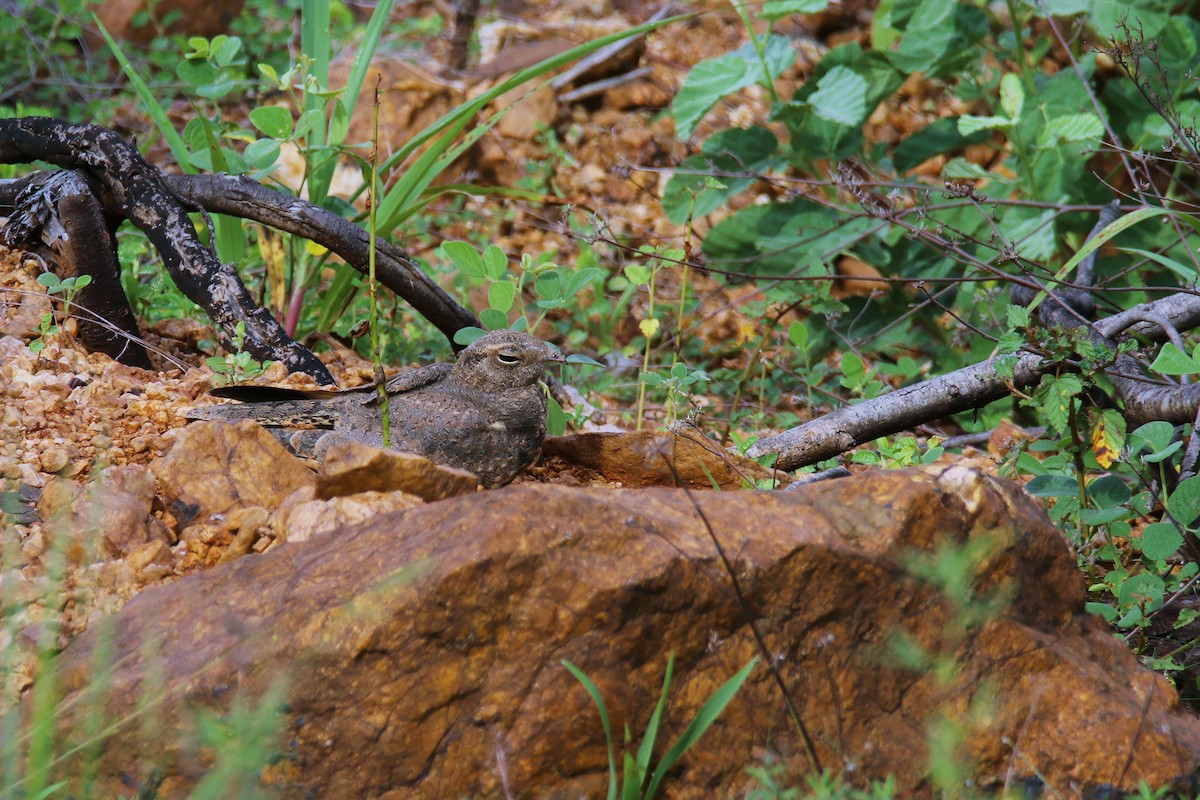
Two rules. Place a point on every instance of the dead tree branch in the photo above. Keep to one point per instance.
(145, 200)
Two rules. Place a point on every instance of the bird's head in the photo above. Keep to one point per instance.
(505, 359)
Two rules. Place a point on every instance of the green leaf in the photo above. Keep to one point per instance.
(1185, 272)
(961, 168)
(798, 335)
(196, 73)
(852, 367)
(652, 379)
(580, 358)
(1071, 128)
(638, 274)
(493, 320)
(1103, 609)
(501, 296)
(715, 78)
(1108, 491)
(1053, 486)
(1160, 541)
(225, 49)
(468, 335)
(704, 719)
(548, 285)
(1153, 436)
(556, 418)
(704, 86)
(495, 263)
(1173, 361)
(262, 153)
(1184, 502)
(465, 257)
(646, 748)
(273, 121)
(969, 124)
(1012, 95)
(773, 10)
(1141, 587)
(841, 97)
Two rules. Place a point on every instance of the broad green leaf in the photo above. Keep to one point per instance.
(1103, 609)
(1160, 541)
(1141, 588)
(969, 124)
(495, 263)
(704, 87)
(493, 319)
(1173, 361)
(501, 296)
(1053, 486)
(638, 274)
(715, 78)
(961, 168)
(262, 154)
(841, 97)
(468, 335)
(556, 418)
(1153, 437)
(1012, 95)
(1184, 502)
(273, 121)
(1108, 491)
(465, 257)
(1071, 128)
(548, 285)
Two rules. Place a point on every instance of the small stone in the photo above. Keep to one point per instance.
(152, 554)
(34, 546)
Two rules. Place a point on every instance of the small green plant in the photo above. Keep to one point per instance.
(239, 365)
(769, 784)
(67, 289)
(679, 384)
(638, 779)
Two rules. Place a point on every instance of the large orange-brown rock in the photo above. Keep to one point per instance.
(421, 649)
(217, 467)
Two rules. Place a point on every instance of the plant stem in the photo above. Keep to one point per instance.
(376, 354)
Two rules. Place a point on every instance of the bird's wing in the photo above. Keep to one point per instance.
(412, 379)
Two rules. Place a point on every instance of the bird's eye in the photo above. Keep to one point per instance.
(508, 358)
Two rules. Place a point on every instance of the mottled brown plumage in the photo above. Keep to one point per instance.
(486, 413)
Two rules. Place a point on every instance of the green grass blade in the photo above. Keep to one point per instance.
(418, 176)
(646, 749)
(599, 701)
(702, 722)
(1097, 241)
(366, 51)
(631, 779)
(174, 141)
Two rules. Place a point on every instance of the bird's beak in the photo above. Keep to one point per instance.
(554, 355)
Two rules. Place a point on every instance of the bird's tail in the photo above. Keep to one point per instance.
(289, 414)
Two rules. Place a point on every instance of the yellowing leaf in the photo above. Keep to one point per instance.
(315, 249)
(649, 327)
(1108, 437)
